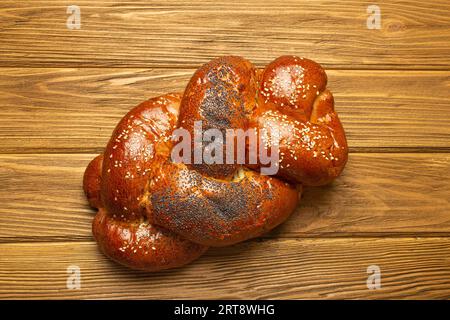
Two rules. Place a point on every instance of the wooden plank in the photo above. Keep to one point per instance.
(181, 33)
(75, 110)
(286, 269)
(41, 198)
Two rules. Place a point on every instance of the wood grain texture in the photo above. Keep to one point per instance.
(75, 110)
(63, 91)
(41, 198)
(414, 34)
(289, 269)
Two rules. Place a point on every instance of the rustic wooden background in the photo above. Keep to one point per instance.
(62, 92)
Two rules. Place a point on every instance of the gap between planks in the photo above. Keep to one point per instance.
(289, 269)
(262, 238)
(355, 150)
(375, 196)
(183, 34)
(194, 67)
(381, 111)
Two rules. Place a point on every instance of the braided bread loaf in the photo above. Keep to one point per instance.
(156, 213)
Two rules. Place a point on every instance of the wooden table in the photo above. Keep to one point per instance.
(62, 91)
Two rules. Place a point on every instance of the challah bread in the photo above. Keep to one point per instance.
(156, 213)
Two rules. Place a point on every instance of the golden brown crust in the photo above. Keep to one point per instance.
(140, 141)
(293, 100)
(141, 245)
(155, 214)
(92, 181)
(116, 186)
